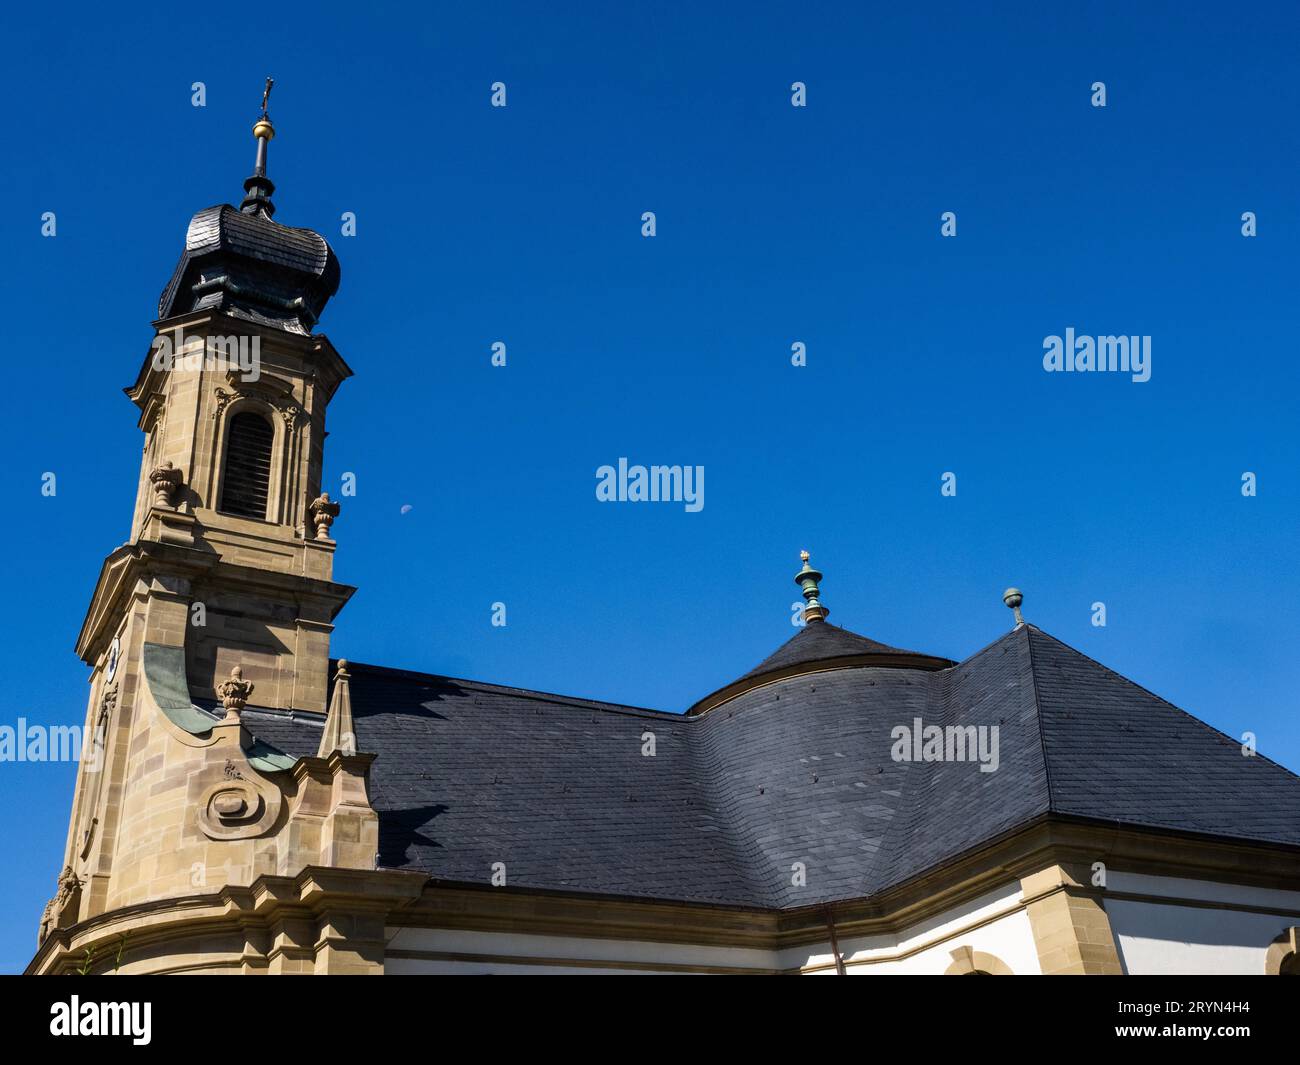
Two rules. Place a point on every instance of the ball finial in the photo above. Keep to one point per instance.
(263, 128)
(1013, 599)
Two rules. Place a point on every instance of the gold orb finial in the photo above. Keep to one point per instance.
(263, 128)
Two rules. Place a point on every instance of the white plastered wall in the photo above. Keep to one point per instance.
(995, 924)
(1169, 925)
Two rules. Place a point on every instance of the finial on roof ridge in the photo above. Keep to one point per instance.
(807, 579)
(1013, 599)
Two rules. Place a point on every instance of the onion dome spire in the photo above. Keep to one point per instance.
(241, 262)
(807, 579)
(257, 186)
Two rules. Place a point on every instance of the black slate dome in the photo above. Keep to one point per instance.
(239, 261)
(254, 268)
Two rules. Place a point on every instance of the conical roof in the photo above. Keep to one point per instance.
(821, 641)
(816, 647)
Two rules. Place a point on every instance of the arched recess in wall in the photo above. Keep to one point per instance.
(969, 962)
(1283, 957)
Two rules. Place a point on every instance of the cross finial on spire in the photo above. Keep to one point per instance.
(807, 579)
(258, 187)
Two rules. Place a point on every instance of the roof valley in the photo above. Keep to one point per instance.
(726, 807)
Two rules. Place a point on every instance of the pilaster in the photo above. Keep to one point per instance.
(1071, 930)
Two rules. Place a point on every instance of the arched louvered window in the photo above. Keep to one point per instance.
(247, 476)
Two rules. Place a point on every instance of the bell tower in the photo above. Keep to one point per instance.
(230, 523)
(223, 597)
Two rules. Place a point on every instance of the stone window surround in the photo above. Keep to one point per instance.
(242, 404)
(1283, 957)
(968, 962)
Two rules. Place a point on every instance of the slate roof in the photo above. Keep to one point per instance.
(795, 770)
(819, 646)
(254, 268)
(821, 641)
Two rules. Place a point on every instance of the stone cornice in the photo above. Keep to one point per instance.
(996, 865)
(315, 348)
(131, 562)
(270, 900)
(413, 900)
(117, 580)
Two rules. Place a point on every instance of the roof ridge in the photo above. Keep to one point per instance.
(992, 643)
(527, 693)
(913, 783)
(1038, 717)
(1159, 698)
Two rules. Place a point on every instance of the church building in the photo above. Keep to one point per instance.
(248, 803)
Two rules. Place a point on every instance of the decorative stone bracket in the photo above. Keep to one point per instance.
(236, 806)
(61, 911)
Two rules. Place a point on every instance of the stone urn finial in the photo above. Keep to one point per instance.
(234, 693)
(166, 481)
(323, 511)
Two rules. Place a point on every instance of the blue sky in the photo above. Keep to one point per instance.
(775, 224)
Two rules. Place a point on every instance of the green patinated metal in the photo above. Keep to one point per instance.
(808, 579)
(262, 756)
(164, 669)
